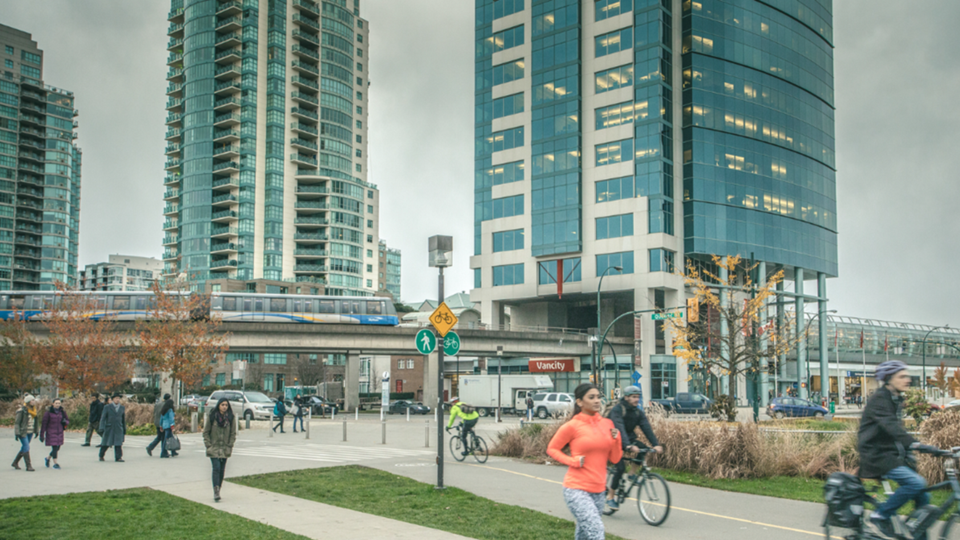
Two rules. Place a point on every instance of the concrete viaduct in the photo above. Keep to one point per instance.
(361, 340)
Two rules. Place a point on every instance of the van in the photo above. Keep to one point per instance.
(246, 405)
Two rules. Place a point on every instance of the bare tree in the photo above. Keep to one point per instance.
(254, 375)
(309, 371)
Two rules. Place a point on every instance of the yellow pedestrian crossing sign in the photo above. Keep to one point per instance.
(443, 319)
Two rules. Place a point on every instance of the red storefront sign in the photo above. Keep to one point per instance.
(542, 365)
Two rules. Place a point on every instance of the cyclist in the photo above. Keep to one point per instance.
(884, 445)
(627, 416)
(468, 418)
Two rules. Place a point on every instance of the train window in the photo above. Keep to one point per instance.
(139, 302)
(4, 301)
(258, 304)
(278, 305)
(327, 306)
(307, 306)
(16, 301)
(229, 303)
(374, 308)
(351, 306)
(121, 302)
(248, 304)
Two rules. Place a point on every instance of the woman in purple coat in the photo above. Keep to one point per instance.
(51, 431)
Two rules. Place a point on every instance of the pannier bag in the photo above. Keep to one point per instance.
(844, 495)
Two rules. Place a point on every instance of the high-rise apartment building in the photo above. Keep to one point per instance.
(39, 172)
(618, 140)
(267, 143)
(389, 270)
(121, 273)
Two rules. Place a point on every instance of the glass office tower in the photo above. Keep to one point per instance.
(267, 161)
(618, 140)
(39, 172)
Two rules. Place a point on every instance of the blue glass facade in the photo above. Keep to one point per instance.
(758, 131)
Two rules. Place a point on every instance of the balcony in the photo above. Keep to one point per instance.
(226, 135)
(304, 113)
(174, 103)
(226, 151)
(174, 58)
(31, 119)
(223, 248)
(311, 190)
(309, 268)
(228, 40)
(171, 239)
(304, 98)
(309, 238)
(225, 87)
(306, 36)
(24, 191)
(310, 222)
(171, 255)
(229, 8)
(171, 209)
(31, 156)
(301, 159)
(303, 144)
(229, 55)
(302, 128)
(226, 183)
(175, 30)
(229, 23)
(35, 96)
(175, 74)
(173, 119)
(218, 264)
(171, 179)
(28, 240)
(171, 225)
(172, 149)
(226, 167)
(31, 229)
(29, 253)
(305, 66)
(27, 277)
(308, 253)
(174, 43)
(29, 216)
(306, 21)
(305, 82)
(227, 71)
(308, 52)
(224, 121)
(175, 15)
(225, 216)
(223, 231)
(226, 103)
(175, 89)
(172, 164)
(171, 194)
(307, 5)
(225, 199)
(310, 206)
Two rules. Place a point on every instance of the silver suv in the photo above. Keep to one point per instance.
(252, 405)
(555, 404)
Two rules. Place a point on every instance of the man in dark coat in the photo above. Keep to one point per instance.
(113, 425)
(884, 445)
(156, 423)
(629, 419)
(93, 423)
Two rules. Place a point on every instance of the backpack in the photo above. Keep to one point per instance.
(276, 408)
(466, 409)
(844, 495)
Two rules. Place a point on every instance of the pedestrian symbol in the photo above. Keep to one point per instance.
(451, 344)
(427, 342)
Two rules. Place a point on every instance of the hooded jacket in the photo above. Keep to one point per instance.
(882, 441)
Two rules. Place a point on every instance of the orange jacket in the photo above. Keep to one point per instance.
(590, 437)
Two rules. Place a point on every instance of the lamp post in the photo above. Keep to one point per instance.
(440, 257)
(923, 377)
(823, 357)
(596, 356)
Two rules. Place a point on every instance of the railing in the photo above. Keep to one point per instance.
(224, 230)
(228, 37)
(225, 182)
(222, 198)
(309, 268)
(305, 66)
(310, 221)
(225, 132)
(224, 69)
(228, 20)
(304, 128)
(311, 189)
(226, 165)
(224, 214)
(226, 84)
(304, 112)
(305, 97)
(297, 18)
(227, 5)
(225, 101)
(306, 37)
(223, 149)
(303, 159)
(308, 5)
(304, 143)
(223, 246)
(305, 82)
(228, 52)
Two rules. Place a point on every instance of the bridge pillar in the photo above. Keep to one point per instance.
(351, 378)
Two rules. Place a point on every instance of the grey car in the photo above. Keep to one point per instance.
(555, 404)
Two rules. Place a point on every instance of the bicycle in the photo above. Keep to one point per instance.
(653, 494)
(919, 522)
(478, 446)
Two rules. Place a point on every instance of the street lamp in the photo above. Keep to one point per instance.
(823, 358)
(923, 378)
(596, 376)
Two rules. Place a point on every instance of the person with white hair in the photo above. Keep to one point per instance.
(25, 427)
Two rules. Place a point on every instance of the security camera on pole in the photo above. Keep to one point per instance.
(441, 256)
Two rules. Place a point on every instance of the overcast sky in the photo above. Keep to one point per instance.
(897, 67)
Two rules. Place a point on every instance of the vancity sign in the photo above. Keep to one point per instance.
(543, 365)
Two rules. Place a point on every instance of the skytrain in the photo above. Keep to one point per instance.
(231, 307)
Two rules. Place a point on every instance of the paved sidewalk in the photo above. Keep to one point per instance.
(300, 516)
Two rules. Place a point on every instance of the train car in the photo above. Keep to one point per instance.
(231, 307)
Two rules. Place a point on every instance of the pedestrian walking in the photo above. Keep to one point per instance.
(593, 441)
(157, 408)
(93, 422)
(167, 422)
(219, 434)
(51, 431)
(113, 425)
(298, 413)
(279, 410)
(529, 407)
(25, 426)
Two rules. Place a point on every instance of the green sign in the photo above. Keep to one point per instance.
(667, 315)
(451, 344)
(426, 341)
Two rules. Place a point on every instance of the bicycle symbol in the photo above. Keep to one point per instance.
(443, 318)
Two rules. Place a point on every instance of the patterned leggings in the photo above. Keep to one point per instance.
(586, 508)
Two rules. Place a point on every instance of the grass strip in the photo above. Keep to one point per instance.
(396, 497)
(139, 513)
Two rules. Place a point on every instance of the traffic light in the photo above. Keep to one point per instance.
(693, 310)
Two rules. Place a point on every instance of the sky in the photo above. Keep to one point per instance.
(897, 69)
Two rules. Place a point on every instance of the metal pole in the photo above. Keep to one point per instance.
(309, 416)
(426, 436)
(344, 431)
(863, 387)
(383, 432)
(824, 345)
(499, 386)
(356, 413)
(408, 414)
(440, 396)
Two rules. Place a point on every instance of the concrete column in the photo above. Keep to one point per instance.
(351, 379)
(764, 363)
(724, 350)
(824, 344)
(780, 324)
(801, 343)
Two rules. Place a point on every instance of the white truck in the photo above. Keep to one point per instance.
(480, 391)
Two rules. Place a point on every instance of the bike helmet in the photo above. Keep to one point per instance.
(888, 368)
(631, 391)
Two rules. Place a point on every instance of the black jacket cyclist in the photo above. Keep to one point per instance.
(627, 416)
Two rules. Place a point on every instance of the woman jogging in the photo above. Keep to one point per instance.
(25, 427)
(219, 434)
(51, 430)
(593, 441)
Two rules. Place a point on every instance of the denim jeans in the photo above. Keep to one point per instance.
(911, 488)
(25, 443)
(219, 468)
(157, 440)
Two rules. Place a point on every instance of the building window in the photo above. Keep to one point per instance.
(369, 283)
(477, 281)
(662, 260)
(359, 66)
(369, 193)
(400, 364)
(614, 42)
(9, 49)
(359, 168)
(359, 24)
(508, 105)
(614, 152)
(508, 240)
(409, 364)
(624, 259)
(369, 268)
(221, 379)
(359, 124)
(359, 153)
(30, 71)
(615, 189)
(268, 382)
(369, 238)
(571, 271)
(507, 207)
(611, 8)
(621, 113)
(29, 57)
(359, 138)
(614, 78)
(280, 359)
(663, 378)
(215, 287)
(369, 253)
(8, 63)
(511, 274)
(614, 226)
(370, 223)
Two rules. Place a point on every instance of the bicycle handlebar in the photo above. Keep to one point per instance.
(933, 450)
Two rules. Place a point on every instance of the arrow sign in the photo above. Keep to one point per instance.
(427, 342)
(451, 344)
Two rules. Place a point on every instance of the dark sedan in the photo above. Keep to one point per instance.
(794, 407)
(400, 407)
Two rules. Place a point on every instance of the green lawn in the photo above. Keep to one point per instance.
(130, 513)
(383, 494)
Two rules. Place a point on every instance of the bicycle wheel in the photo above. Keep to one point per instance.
(653, 499)
(479, 449)
(456, 448)
(950, 530)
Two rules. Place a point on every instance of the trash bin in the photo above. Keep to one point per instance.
(833, 407)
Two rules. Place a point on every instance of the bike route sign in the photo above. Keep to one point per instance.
(426, 341)
(451, 344)
(443, 319)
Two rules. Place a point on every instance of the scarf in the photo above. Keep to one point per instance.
(32, 410)
(223, 419)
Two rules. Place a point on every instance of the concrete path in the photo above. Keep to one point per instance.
(300, 516)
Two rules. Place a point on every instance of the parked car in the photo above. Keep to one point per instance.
(794, 407)
(248, 405)
(685, 403)
(196, 401)
(185, 400)
(401, 406)
(954, 403)
(319, 405)
(547, 404)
